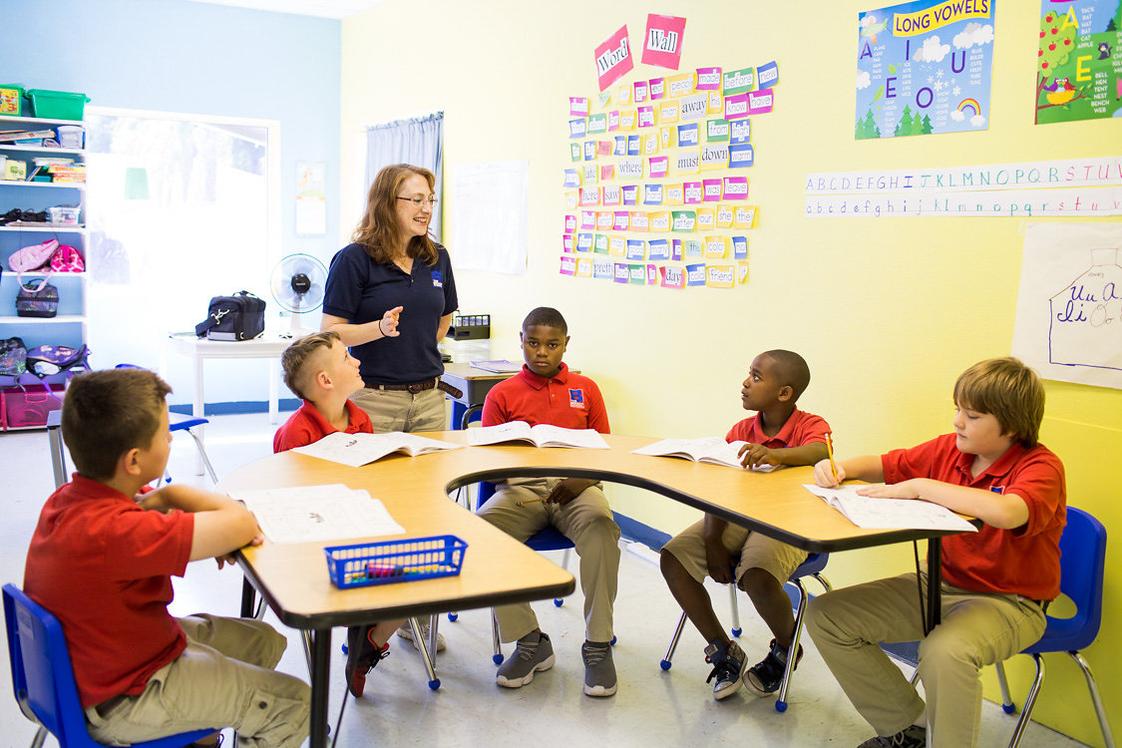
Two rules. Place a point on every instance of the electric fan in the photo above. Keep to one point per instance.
(297, 285)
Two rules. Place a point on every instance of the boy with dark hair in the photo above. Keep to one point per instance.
(320, 369)
(545, 391)
(779, 434)
(102, 558)
(997, 583)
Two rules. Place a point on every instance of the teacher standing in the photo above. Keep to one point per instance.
(390, 296)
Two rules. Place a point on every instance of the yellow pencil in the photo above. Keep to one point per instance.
(830, 454)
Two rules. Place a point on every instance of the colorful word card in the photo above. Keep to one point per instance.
(656, 88)
(735, 188)
(687, 162)
(613, 58)
(767, 75)
(658, 249)
(741, 156)
(610, 195)
(712, 188)
(706, 219)
(679, 85)
(631, 192)
(739, 81)
(578, 106)
(673, 277)
(694, 107)
(740, 131)
(740, 247)
(601, 268)
(759, 102)
(652, 194)
(693, 192)
(568, 265)
(684, 221)
(567, 243)
(636, 249)
(736, 106)
(657, 166)
(695, 274)
(720, 276)
(708, 79)
(662, 43)
(717, 130)
(578, 128)
(620, 272)
(642, 91)
(660, 221)
(714, 156)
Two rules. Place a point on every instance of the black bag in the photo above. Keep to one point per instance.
(237, 317)
(37, 300)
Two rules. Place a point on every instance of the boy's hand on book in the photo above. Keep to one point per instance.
(720, 563)
(754, 455)
(909, 489)
(824, 474)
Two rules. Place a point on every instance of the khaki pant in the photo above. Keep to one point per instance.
(755, 551)
(398, 410)
(224, 678)
(977, 629)
(587, 521)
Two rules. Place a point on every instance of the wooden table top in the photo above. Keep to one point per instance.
(496, 568)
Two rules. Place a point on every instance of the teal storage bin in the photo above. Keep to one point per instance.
(57, 104)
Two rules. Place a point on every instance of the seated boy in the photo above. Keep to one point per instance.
(780, 434)
(102, 557)
(320, 369)
(996, 583)
(545, 391)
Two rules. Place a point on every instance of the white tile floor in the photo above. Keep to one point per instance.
(651, 708)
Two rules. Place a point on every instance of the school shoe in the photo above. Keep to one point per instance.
(599, 669)
(727, 669)
(406, 633)
(362, 655)
(529, 656)
(766, 676)
(912, 736)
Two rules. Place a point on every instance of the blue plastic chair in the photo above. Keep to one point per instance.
(43, 680)
(812, 567)
(1083, 560)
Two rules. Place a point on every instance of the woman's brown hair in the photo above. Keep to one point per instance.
(378, 231)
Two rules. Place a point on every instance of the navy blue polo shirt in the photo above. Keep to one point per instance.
(360, 290)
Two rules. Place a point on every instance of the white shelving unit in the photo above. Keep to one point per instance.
(69, 326)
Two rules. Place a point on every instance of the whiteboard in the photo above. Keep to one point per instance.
(1069, 308)
(489, 202)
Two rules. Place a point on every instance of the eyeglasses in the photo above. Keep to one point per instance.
(418, 201)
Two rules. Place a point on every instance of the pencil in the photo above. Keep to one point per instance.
(830, 454)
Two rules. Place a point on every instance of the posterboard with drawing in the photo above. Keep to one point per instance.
(1069, 309)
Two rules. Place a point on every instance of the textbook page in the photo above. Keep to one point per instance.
(504, 432)
(357, 450)
(308, 514)
(498, 366)
(710, 449)
(545, 435)
(889, 514)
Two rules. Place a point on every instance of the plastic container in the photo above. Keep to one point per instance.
(388, 562)
(470, 327)
(28, 406)
(11, 100)
(64, 215)
(71, 136)
(57, 104)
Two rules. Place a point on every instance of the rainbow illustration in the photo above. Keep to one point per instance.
(971, 104)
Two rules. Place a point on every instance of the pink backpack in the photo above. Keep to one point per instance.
(67, 259)
(32, 257)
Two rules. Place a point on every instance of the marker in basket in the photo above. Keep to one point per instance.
(378, 571)
(830, 454)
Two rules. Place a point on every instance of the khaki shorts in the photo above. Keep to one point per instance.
(756, 551)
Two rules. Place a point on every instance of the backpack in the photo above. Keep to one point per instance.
(45, 360)
(237, 317)
(13, 357)
(67, 259)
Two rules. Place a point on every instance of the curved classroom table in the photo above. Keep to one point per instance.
(497, 569)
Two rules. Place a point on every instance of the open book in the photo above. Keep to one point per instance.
(890, 514)
(542, 435)
(307, 514)
(359, 449)
(498, 366)
(712, 449)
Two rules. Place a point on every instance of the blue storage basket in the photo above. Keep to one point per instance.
(391, 561)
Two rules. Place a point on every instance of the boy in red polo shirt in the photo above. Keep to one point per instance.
(102, 558)
(779, 434)
(996, 582)
(545, 391)
(320, 369)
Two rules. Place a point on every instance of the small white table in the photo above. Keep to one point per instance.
(268, 346)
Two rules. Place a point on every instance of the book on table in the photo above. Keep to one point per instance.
(710, 449)
(498, 366)
(889, 514)
(542, 435)
(357, 450)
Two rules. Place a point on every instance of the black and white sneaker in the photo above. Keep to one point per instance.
(766, 676)
(912, 736)
(727, 670)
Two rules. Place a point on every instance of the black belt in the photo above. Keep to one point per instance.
(415, 387)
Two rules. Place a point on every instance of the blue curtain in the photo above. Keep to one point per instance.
(418, 141)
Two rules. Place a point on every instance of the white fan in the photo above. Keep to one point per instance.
(297, 285)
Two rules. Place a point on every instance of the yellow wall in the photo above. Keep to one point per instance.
(886, 311)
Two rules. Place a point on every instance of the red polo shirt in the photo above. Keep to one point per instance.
(307, 426)
(103, 566)
(1024, 561)
(567, 400)
(799, 429)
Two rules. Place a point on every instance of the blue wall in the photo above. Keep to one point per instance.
(178, 56)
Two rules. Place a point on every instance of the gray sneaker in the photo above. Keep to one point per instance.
(406, 633)
(529, 657)
(912, 736)
(599, 670)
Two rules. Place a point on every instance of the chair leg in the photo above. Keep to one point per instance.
(306, 640)
(559, 601)
(423, 647)
(823, 581)
(40, 736)
(434, 623)
(1030, 702)
(669, 656)
(259, 614)
(1096, 700)
(793, 650)
(1007, 704)
(496, 649)
(735, 611)
(203, 456)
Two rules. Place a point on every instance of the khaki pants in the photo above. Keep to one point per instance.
(224, 678)
(754, 550)
(587, 521)
(398, 410)
(977, 629)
